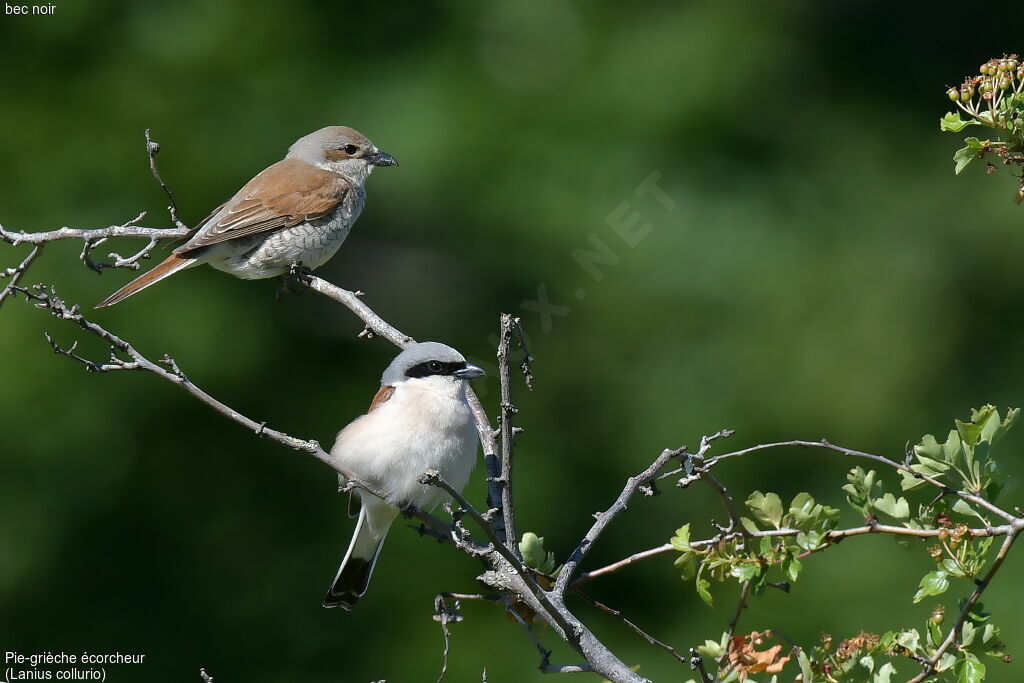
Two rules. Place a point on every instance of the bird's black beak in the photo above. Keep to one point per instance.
(380, 158)
(469, 372)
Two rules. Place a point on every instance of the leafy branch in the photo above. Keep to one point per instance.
(994, 99)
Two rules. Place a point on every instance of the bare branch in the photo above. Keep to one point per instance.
(434, 478)
(46, 298)
(603, 519)
(152, 149)
(697, 664)
(625, 562)
(735, 621)
(508, 325)
(18, 272)
(639, 631)
(444, 614)
(129, 229)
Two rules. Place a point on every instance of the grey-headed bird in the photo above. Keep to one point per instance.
(298, 210)
(420, 419)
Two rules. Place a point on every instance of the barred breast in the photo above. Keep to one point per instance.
(311, 243)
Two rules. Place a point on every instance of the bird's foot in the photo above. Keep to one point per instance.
(294, 281)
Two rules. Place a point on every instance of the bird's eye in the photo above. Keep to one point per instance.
(350, 148)
(435, 366)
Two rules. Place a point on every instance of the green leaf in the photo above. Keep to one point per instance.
(964, 508)
(859, 489)
(868, 662)
(909, 639)
(934, 634)
(767, 508)
(910, 482)
(532, 549)
(934, 458)
(990, 634)
(744, 572)
(704, 591)
(967, 634)
(711, 649)
(895, 508)
(946, 662)
(950, 566)
(884, 673)
(970, 669)
(933, 583)
(810, 540)
(952, 123)
(681, 541)
(966, 155)
(749, 525)
(791, 567)
(806, 513)
(687, 565)
(806, 672)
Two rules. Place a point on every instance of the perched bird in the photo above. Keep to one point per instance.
(419, 420)
(298, 210)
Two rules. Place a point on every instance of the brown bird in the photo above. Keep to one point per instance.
(298, 210)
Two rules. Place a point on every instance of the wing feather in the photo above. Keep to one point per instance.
(385, 393)
(285, 194)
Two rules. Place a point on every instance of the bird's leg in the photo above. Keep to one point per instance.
(292, 281)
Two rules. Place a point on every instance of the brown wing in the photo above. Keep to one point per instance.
(285, 194)
(381, 396)
(198, 226)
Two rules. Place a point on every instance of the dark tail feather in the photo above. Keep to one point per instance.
(356, 569)
(168, 267)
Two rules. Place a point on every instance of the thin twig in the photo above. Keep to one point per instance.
(697, 664)
(735, 621)
(639, 631)
(152, 149)
(508, 429)
(46, 298)
(624, 562)
(18, 272)
(603, 519)
(832, 537)
(850, 452)
(443, 613)
(434, 478)
(954, 631)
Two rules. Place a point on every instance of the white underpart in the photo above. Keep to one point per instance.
(426, 424)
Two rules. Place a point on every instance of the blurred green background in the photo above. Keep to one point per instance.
(822, 273)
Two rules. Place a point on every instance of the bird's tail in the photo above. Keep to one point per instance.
(354, 573)
(171, 265)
